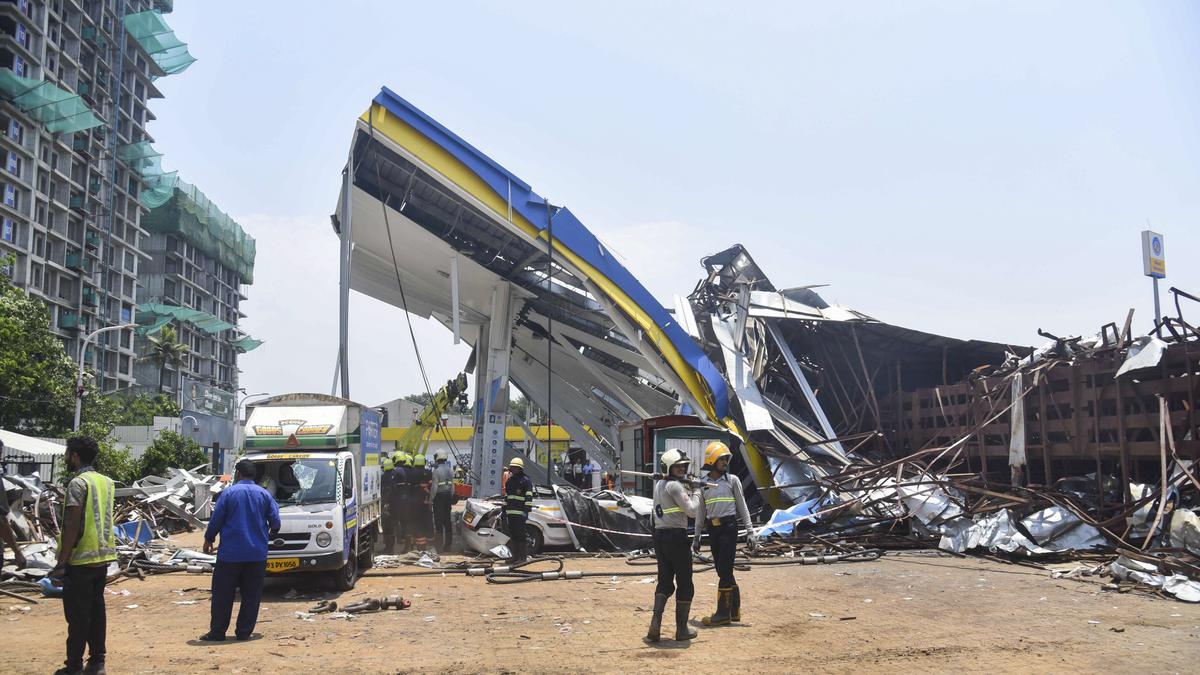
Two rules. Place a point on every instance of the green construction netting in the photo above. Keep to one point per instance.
(156, 37)
(247, 344)
(57, 109)
(192, 215)
(136, 153)
(146, 162)
(152, 316)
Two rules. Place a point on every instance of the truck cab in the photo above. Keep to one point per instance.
(318, 456)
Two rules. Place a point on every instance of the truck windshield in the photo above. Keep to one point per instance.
(300, 481)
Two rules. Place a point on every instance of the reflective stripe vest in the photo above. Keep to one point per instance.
(669, 512)
(518, 496)
(97, 540)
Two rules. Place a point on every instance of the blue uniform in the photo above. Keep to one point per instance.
(244, 517)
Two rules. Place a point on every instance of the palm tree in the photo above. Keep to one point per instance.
(166, 350)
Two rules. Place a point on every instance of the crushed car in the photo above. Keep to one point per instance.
(562, 518)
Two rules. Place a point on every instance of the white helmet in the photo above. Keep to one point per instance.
(439, 456)
(672, 458)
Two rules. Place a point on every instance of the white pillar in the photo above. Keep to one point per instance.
(492, 360)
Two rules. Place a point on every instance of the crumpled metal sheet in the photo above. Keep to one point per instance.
(929, 503)
(740, 374)
(1177, 585)
(1057, 529)
(1145, 352)
(994, 531)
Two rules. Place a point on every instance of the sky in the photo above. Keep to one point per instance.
(974, 169)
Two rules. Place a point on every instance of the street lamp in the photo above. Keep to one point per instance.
(82, 353)
(242, 402)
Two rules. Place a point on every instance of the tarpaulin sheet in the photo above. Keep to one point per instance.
(583, 510)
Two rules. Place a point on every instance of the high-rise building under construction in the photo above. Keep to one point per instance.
(80, 175)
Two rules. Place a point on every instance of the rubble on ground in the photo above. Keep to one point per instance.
(146, 514)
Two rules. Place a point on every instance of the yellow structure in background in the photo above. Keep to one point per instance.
(554, 440)
(463, 434)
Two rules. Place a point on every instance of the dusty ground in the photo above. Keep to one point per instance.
(908, 612)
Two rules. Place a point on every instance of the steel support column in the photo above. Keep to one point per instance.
(491, 390)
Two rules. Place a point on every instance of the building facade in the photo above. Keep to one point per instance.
(78, 174)
(200, 264)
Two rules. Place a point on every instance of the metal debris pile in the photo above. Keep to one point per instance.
(1144, 534)
(146, 514)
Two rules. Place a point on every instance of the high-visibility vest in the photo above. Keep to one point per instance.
(97, 540)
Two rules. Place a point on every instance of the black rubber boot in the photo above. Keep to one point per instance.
(724, 602)
(682, 611)
(735, 606)
(660, 606)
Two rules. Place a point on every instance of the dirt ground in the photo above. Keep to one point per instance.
(913, 612)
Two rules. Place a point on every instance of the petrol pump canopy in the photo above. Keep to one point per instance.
(420, 195)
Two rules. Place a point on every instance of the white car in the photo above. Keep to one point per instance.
(546, 527)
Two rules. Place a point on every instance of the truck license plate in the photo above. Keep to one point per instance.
(282, 564)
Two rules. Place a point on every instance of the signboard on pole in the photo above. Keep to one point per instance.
(1154, 256)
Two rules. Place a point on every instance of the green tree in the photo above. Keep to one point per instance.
(115, 462)
(140, 410)
(37, 379)
(170, 449)
(165, 350)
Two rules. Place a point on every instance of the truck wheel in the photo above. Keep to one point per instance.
(533, 540)
(345, 578)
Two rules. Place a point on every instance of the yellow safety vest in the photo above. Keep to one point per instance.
(97, 541)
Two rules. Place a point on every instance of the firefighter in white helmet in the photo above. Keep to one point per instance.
(722, 512)
(673, 505)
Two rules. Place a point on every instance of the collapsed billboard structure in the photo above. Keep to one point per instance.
(842, 419)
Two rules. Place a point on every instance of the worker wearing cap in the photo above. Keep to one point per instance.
(403, 503)
(518, 502)
(86, 546)
(722, 506)
(443, 496)
(422, 510)
(673, 505)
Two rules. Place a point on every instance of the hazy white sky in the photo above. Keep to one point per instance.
(977, 169)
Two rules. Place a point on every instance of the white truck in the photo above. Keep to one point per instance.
(319, 456)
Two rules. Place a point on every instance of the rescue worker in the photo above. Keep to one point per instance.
(443, 498)
(722, 512)
(393, 489)
(403, 506)
(518, 502)
(421, 523)
(673, 505)
(86, 546)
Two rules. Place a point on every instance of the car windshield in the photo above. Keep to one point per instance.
(300, 481)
